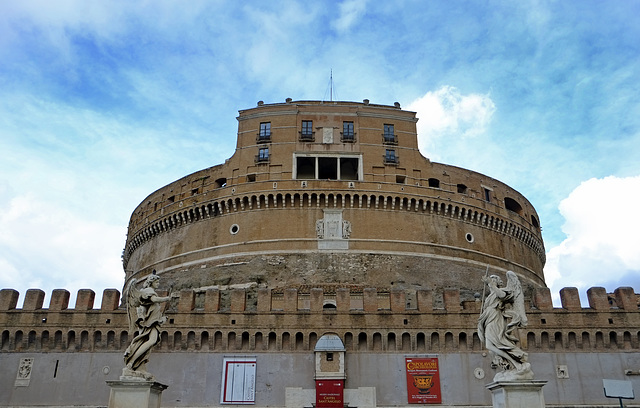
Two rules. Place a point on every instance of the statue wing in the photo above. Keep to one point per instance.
(133, 301)
(515, 288)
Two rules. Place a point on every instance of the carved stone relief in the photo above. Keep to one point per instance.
(332, 231)
(23, 378)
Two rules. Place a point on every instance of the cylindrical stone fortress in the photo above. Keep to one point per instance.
(333, 193)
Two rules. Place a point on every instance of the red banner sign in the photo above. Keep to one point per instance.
(329, 393)
(423, 380)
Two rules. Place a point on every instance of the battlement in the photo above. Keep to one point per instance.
(290, 320)
(340, 300)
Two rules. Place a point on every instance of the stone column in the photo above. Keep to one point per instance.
(135, 394)
(517, 394)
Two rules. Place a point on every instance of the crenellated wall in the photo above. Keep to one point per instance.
(288, 320)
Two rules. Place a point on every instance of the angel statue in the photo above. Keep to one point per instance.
(144, 308)
(502, 314)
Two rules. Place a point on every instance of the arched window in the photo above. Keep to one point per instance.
(362, 341)
(406, 342)
(204, 341)
(512, 205)
(377, 342)
(391, 341)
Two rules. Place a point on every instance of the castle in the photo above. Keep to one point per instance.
(327, 248)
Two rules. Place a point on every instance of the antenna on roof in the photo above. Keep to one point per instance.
(330, 87)
(331, 81)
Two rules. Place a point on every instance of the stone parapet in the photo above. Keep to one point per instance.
(292, 300)
(293, 319)
(8, 299)
(85, 299)
(33, 299)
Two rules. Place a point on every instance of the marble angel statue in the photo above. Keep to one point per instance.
(144, 309)
(501, 316)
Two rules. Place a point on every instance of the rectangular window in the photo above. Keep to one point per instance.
(487, 195)
(265, 131)
(390, 156)
(306, 167)
(327, 167)
(263, 154)
(347, 131)
(349, 168)
(307, 129)
(389, 134)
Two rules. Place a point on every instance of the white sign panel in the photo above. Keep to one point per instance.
(238, 380)
(618, 389)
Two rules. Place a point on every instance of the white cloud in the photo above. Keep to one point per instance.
(45, 246)
(350, 11)
(447, 112)
(601, 248)
(69, 185)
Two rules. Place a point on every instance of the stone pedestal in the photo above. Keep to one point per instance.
(135, 394)
(517, 394)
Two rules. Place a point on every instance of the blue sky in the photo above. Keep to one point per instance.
(102, 102)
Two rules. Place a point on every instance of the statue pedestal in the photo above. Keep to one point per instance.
(517, 394)
(135, 394)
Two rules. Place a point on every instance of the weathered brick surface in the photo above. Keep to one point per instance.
(370, 299)
(264, 300)
(343, 300)
(542, 299)
(110, 299)
(570, 298)
(8, 299)
(85, 299)
(59, 299)
(398, 300)
(452, 300)
(626, 298)
(316, 300)
(598, 298)
(187, 301)
(33, 299)
(290, 300)
(238, 300)
(212, 300)
(425, 300)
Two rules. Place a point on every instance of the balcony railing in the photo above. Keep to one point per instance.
(263, 137)
(390, 160)
(347, 137)
(307, 136)
(389, 139)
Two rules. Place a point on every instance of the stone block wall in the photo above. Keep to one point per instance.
(366, 320)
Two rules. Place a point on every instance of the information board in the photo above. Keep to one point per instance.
(329, 393)
(423, 380)
(239, 380)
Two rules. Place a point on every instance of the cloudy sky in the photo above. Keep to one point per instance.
(103, 102)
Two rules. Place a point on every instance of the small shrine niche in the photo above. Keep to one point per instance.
(330, 374)
(329, 352)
